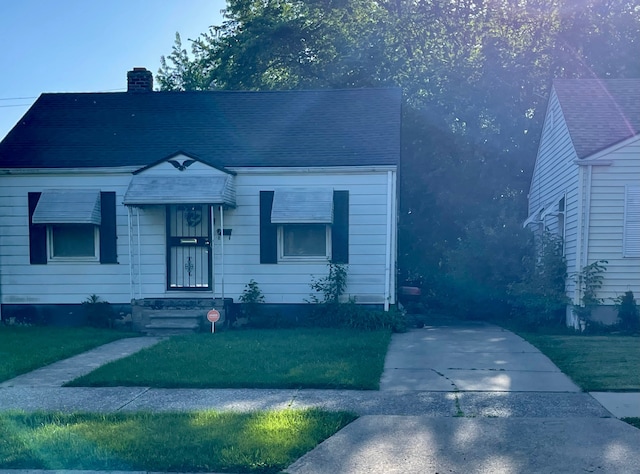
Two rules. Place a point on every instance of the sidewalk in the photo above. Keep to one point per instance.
(462, 398)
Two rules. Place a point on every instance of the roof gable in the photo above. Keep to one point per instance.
(180, 161)
(222, 128)
(599, 113)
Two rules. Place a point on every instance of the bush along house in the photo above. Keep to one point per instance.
(172, 202)
(585, 190)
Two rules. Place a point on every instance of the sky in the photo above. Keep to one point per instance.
(87, 45)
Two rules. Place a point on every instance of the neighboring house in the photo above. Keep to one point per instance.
(586, 183)
(146, 195)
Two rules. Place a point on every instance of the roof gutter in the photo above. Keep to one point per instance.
(51, 171)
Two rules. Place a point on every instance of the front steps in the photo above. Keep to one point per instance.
(173, 316)
(171, 322)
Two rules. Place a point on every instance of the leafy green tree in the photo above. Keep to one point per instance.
(475, 76)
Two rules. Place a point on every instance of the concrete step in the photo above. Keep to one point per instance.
(174, 313)
(171, 324)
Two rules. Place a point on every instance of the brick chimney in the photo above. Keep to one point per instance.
(139, 80)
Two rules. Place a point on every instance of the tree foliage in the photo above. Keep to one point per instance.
(475, 76)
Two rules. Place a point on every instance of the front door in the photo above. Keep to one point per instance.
(189, 247)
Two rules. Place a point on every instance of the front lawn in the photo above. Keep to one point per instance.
(260, 442)
(596, 363)
(23, 349)
(282, 358)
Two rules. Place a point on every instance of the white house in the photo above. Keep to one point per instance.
(146, 196)
(586, 183)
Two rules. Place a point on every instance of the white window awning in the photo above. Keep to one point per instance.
(68, 206)
(302, 206)
(155, 190)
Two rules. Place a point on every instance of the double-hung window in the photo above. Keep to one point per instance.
(304, 217)
(72, 225)
(304, 225)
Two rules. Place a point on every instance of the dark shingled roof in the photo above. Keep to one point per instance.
(285, 128)
(599, 113)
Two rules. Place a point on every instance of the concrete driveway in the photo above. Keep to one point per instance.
(478, 357)
(507, 417)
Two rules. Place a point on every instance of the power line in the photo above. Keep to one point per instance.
(14, 105)
(17, 98)
(35, 97)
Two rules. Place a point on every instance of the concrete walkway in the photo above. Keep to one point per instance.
(463, 398)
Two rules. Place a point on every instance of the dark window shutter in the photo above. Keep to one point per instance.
(340, 228)
(108, 232)
(268, 231)
(37, 235)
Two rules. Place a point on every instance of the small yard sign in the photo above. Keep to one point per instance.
(213, 316)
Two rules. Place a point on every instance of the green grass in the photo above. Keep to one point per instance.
(23, 349)
(595, 363)
(282, 358)
(260, 442)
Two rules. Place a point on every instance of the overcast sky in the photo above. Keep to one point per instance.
(87, 46)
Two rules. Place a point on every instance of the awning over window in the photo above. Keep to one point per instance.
(550, 208)
(153, 190)
(302, 206)
(68, 206)
(535, 217)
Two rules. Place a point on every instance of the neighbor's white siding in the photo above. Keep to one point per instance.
(555, 174)
(57, 282)
(607, 220)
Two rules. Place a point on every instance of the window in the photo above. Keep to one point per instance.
(304, 241)
(73, 241)
(73, 225)
(283, 241)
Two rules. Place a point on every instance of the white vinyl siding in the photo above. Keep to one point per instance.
(70, 282)
(607, 221)
(283, 282)
(556, 176)
(57, 282)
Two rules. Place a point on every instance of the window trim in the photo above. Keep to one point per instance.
(86, 258)
(282, 258)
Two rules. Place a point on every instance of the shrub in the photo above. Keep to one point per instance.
(331, 286)
(589, 281)
(628, 312)
(251, 299)
(329, 311)
(539, 298)
(99, 313)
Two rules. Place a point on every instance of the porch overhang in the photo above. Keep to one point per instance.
(160, 190)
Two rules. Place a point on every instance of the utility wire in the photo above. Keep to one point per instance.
(35, 96)
(15, 105)
(17, 98)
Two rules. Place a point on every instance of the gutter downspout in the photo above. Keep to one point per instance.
(212, 213)
(582, 242)
(139, 254)
(131, 290)
(222, 255)
(387, 265)
(587, 218)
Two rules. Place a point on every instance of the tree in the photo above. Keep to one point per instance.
(475, 76)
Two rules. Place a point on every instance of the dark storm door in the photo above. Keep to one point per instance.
(189, 247)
